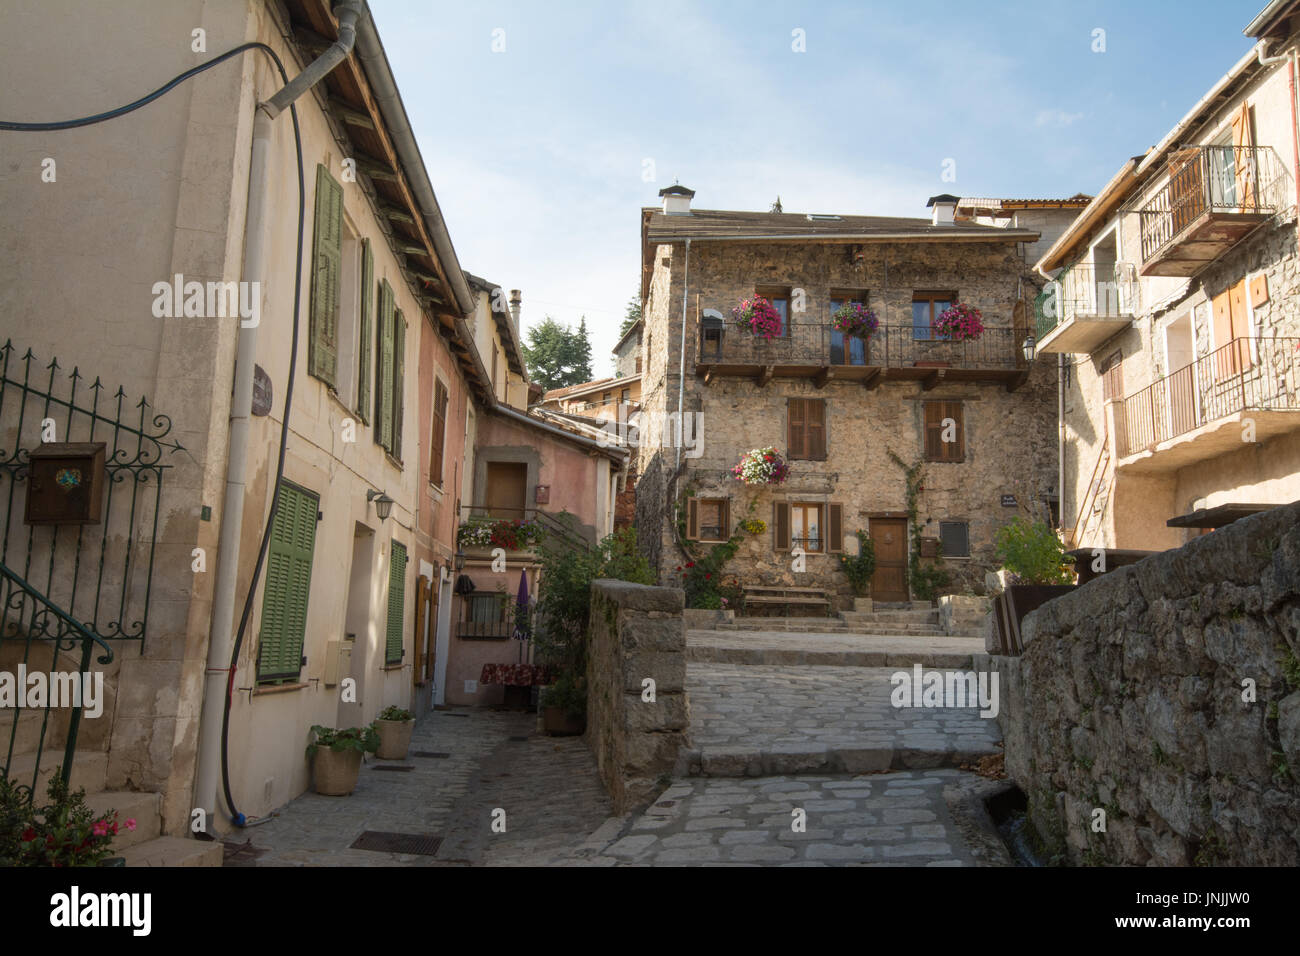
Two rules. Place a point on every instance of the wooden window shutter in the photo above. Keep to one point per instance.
(781, 526)
(933, 431)
(1240, 320)
(384, 368)
(396, 604)
(1223, 358)
(692, 519)
(796, 429)
(365, 347)
(835, 523)
(399, 382)
(815, 428)
(1259, 290)
(421, 606)
(956, 450)
(288, 586)
(724, 510)
(326, 274)
(439, 437)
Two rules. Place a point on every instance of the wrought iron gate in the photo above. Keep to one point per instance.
(70, 589)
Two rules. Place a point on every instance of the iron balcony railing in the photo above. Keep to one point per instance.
(557, 530)
(1243, 375)
(1213, 179)
(890, 346)
(1109, 290)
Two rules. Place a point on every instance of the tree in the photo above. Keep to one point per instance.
(631, 316)
(558, 356)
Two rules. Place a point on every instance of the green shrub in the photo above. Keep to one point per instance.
(1033, 553)
(860, 567)
(63, 832)
(363, 739)
(395, 713)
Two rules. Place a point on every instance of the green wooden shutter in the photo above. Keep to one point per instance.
(399, 381)
(327, 271)
(367, 322)
(384, 369)
(288, 586)
(396, 604)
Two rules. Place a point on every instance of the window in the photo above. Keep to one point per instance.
(779, 296)
(486, 608)
(926, 308)
(708, 519)
(390, 361)
(604, 399)
(288, 585)
(1112, 377)
(806, 429)
(439, 437)
(850, 349)
(945, 428)
(638, 365)
(1231, 332)
(625, 396)
(954, 538)
(393, 651)
(812, 526)
(326, 278)
(710, 341)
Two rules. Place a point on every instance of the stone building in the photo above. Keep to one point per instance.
(978, 416)
(1174, 316)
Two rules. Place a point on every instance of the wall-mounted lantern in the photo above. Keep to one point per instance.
(383, 503)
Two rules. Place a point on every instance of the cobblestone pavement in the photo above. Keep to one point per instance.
(748, 720)
(913, 818)
(859, 650)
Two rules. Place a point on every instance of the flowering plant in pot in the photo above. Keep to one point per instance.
(854, 318)
(758, 316)
(64, 832)
(336, 757)
(761, 466)
(394, 727)
(959, 322)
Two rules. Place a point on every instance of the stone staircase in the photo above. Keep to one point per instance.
(893, 621)
(145, 846)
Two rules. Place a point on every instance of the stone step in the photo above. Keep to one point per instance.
(173, 851)
(89, 770)
(28, 737)
(921, 616)
(794, 759)
(800, 656)
(144, 808)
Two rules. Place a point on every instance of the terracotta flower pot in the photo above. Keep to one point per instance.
(394, 738)
(556, 721)
(336, 771)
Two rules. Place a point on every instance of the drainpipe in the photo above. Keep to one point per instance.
(221, 635)
(681, 375)
(1060, 415)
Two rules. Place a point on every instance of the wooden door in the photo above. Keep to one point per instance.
(506, 486)
(889, 582)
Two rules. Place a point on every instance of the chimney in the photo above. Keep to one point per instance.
(677, 200)
(516, 304)
(944, 207)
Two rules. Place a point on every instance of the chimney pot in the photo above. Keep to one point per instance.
(516, 305)
(944, 208)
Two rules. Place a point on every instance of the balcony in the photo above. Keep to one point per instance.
(1199, 412)
(1085, 305)
(893, 352)
(1215, 196)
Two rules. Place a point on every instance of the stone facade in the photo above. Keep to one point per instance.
(1009, 436)
(635, 632)
(1133, 697)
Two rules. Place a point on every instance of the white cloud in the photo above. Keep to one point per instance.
(1056, 117)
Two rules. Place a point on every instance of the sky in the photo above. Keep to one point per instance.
(546, 126)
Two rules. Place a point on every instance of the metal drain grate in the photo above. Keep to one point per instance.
(430, 754)
(381, 841)
(455, 715)
(393, 769)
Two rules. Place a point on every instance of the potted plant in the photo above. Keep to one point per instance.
(336, 757)
(1039, 571)
(861, 566)
(564, 706)
(394, 726)
(854, 318)
(758, 316)
(959, 322)
(761, 466)
(63, 832)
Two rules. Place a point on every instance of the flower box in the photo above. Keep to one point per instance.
(959, 323)
(758, 317)
(854, 318)
(761, 466)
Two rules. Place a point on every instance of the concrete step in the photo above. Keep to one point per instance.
(173, 851)
(89, 770)
(144, 808)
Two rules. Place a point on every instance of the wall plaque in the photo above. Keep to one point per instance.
(1008, 501)
(65, 483)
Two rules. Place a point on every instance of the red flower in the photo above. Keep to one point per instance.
(690, 564)
(707, 576)
(29, 835)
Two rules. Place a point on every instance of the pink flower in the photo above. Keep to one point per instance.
(130, 823)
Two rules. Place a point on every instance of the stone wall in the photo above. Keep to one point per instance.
(635, 632)
(1129, 699)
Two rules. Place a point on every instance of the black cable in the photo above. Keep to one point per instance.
(238, 818)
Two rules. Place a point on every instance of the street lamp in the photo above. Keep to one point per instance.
(459, 560)
(383, 503)
(1029, 348)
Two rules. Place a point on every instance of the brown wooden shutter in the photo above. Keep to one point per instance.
(724, 518)
(933, 431)
(692, 519)
(421, 603)
(796, 429)
(835, 521)
(1223, 364)
(781, 526)
(957, 449)
(815, 417)
(1240, 319)
(1259, 290)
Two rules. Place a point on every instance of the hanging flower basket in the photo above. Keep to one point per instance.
(854, 318)
(958, 323)
(757, 316)
(762, 466)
